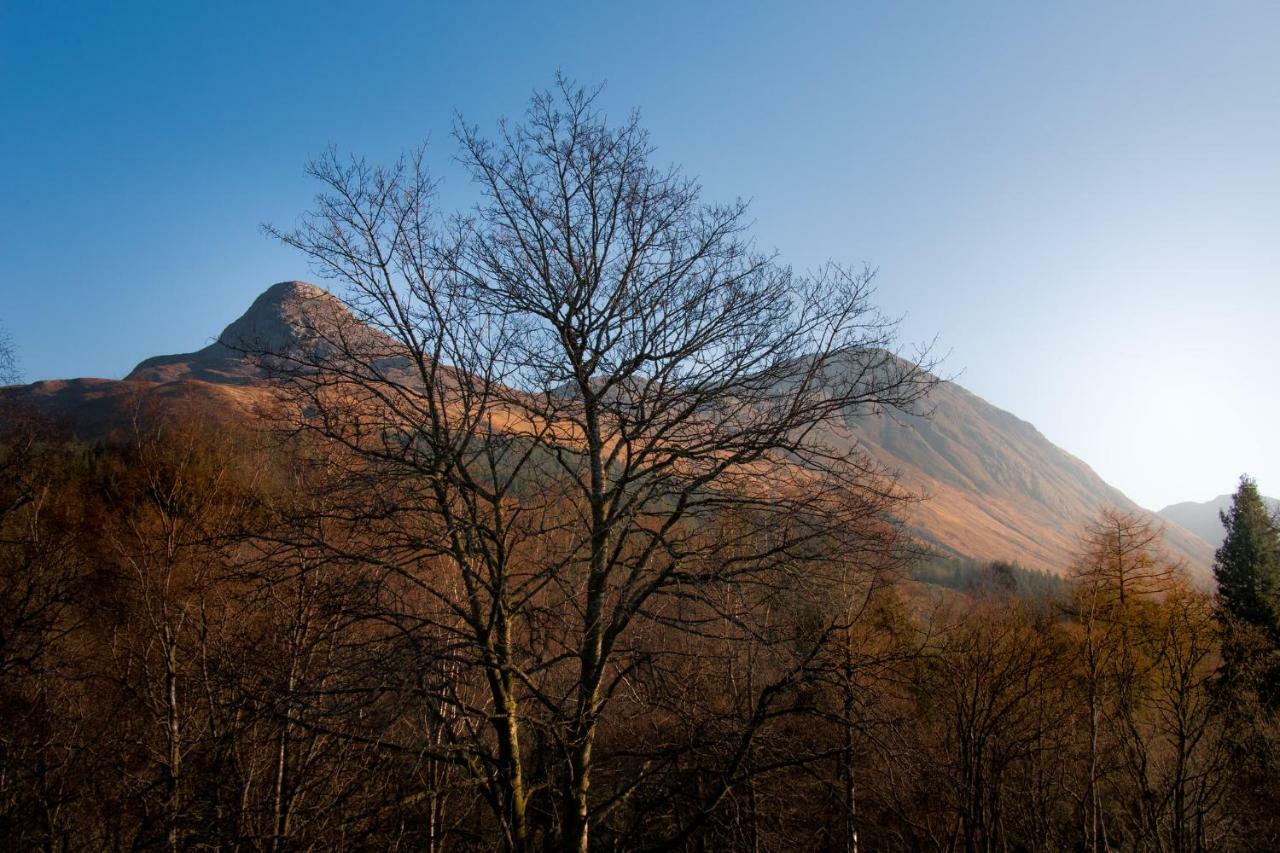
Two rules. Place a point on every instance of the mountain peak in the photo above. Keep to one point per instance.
(283, 289)
(283, 318)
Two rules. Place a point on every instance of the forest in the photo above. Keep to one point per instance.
(189, 661)
(546, 538)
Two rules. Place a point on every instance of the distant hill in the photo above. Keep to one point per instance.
(995, 487)
(1202, 518)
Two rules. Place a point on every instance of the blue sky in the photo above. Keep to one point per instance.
(1082, 201)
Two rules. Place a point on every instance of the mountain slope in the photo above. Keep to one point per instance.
(995, 488)
(1202, 518)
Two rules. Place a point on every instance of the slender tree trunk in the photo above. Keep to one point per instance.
(174, 734)
(1094, 803)
(279, 809)
(850, 788)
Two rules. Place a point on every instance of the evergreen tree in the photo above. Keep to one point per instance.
(1247, 566)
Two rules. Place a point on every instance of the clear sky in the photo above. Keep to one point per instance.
(1081, 200)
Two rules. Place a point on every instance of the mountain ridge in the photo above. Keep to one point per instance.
(995, 486)
(1201, 517)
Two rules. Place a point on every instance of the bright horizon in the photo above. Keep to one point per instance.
(1080, 203)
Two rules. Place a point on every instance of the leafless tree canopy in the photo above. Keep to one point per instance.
(615, 411)
(9, 372)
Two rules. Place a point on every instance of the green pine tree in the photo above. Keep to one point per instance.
(1247, 566)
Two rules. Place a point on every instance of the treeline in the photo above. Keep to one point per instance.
(973, 576)
(188, 662)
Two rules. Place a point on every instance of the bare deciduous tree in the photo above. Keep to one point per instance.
(589, 404)
(9, 371)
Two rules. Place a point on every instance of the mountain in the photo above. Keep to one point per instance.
(280, 317)
(1202, 518)
(995, 487)
(286, 319)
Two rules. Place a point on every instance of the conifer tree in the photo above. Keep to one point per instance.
(1247, 569)
(1247, 565)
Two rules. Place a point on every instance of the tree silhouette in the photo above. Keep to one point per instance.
(592, 408)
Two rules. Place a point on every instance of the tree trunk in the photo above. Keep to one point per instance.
(850, 789)
(174, 734)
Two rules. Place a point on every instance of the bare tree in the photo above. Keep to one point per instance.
(588, 406)
(1181, 739)
(174, 494)
(987, 694)
(1122, 559)
(43, 573)
(9, 372)
(1154, 714)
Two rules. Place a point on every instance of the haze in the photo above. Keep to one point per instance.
(1081, 203)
